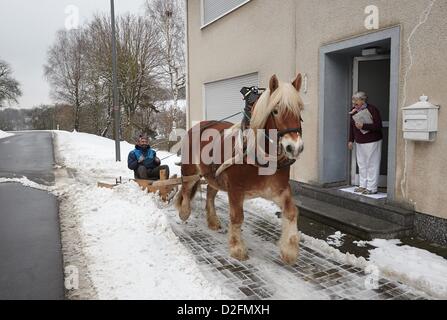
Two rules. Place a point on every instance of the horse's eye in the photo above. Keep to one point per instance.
(275, 112)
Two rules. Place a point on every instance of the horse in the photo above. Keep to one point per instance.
(278, 108)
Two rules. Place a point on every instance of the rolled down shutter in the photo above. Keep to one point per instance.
(223, 98)
(213, 9)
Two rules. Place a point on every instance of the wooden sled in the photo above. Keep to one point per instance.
(167, 188)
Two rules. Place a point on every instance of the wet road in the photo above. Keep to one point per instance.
(31, 264)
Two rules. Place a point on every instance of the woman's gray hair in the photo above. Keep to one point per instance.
(360, 96)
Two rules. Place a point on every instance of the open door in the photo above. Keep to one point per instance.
(372, 75)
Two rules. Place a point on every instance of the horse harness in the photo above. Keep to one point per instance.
(251, 96)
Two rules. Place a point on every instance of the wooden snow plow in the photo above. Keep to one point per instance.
(167, 188)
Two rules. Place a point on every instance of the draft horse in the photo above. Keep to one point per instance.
(279, 107)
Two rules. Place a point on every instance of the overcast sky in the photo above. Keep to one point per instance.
(28, 28)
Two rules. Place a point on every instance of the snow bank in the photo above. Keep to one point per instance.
(4, 134)
(420, 268)
(415, 267)
(95, 156)
(130, 249)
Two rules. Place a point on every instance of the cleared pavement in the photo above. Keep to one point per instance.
(31, 265)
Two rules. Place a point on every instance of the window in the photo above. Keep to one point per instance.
(223, 98)
(213, 10)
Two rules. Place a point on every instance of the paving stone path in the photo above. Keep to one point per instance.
(264, 276)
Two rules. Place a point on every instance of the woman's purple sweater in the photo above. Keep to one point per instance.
(375, 128)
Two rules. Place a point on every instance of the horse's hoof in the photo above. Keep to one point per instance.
(184, 215)
(214, 226)
(289, 258)
(239, 253)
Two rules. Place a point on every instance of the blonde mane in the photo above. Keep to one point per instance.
(285, 99)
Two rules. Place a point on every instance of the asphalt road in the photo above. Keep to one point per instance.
(31, 265)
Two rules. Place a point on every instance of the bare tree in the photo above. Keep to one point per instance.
(168, 19)
(79, 69)
(138, 62)
(66, 70)
(9, 87)
(168, 116)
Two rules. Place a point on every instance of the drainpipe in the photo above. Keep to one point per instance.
(188, 115)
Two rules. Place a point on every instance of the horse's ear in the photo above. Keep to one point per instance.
(274, 83)
(298, 82)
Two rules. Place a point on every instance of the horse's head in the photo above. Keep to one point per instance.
(280, 108)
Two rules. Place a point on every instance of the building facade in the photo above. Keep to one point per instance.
(392, 49)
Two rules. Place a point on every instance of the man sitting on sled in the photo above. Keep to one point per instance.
(144, 162)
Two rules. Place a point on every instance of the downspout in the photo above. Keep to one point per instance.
(188, 108)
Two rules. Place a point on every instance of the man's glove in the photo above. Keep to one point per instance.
(141, 159)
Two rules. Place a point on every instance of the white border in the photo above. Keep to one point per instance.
(202, 13)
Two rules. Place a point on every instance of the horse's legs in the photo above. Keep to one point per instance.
(186, 193)
(211, 216)
(237, 247)
(289, 240)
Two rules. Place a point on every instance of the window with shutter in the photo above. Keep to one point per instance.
(213, 10)
(223, 98)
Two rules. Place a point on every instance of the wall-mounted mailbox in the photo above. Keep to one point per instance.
(420, 121)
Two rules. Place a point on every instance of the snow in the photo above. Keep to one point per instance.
(28, 183)
(412, 266)
(415, 267)
(360, 243)
(4, 134)
(336, 239)
(421, 268)
(92, 155)
(130, 249)
(180, 104)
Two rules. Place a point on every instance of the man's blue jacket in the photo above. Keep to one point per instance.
(150, 158)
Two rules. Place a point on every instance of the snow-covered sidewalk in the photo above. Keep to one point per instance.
(127, 244)
(120, 239)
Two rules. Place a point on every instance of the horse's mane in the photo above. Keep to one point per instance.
(285, 99)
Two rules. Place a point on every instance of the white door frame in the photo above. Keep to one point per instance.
(355, 179)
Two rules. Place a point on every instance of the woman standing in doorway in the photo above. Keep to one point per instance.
(366, 132)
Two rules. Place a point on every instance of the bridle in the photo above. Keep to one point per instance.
(284, 162)
(282, 133)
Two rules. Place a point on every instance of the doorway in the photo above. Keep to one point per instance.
(371, 74)
(378, 76)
